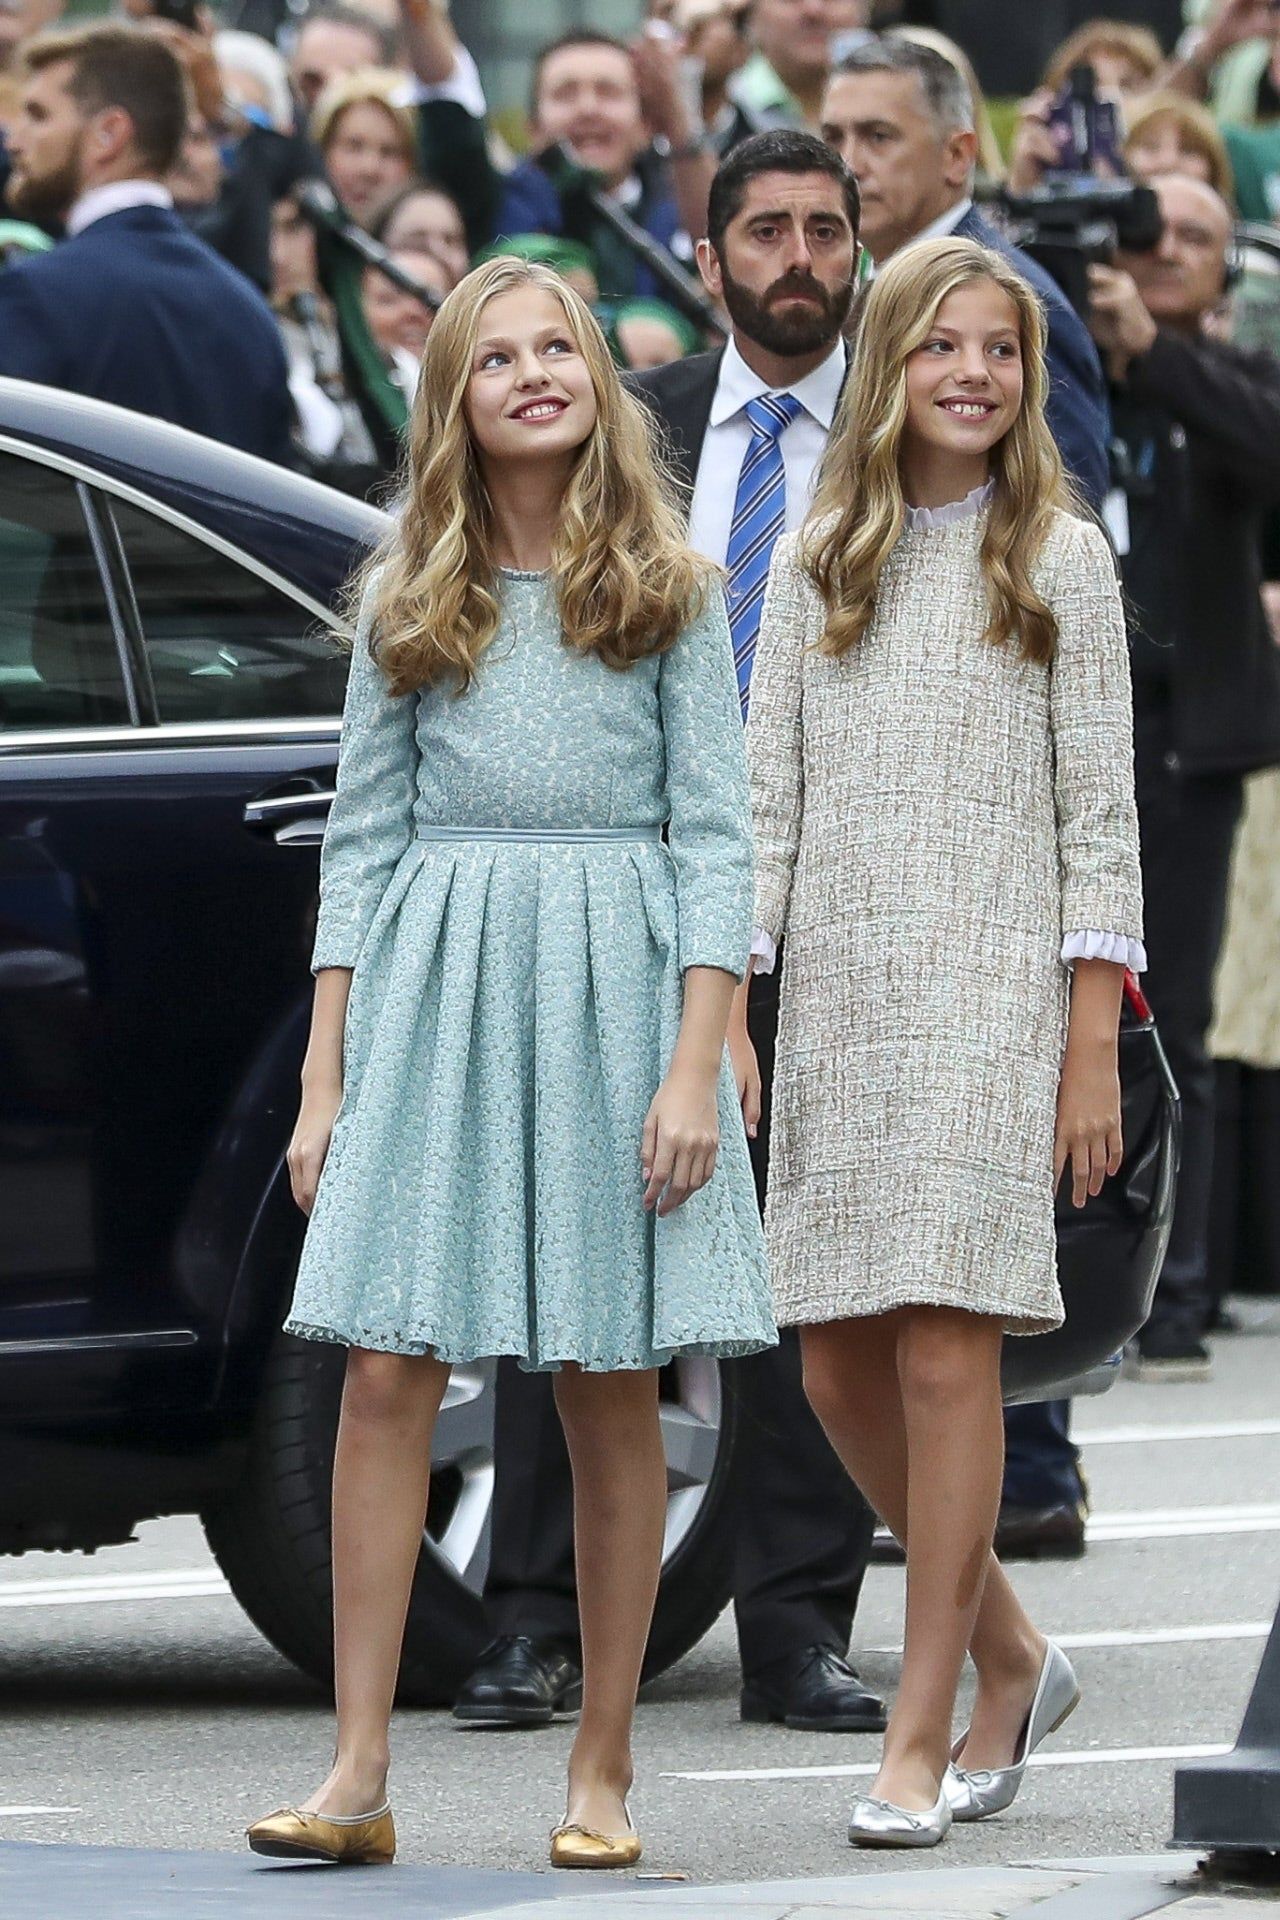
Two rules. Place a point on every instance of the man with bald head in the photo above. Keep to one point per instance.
(1197, 432)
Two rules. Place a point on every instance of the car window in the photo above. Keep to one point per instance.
(59, 663)
(222, 643)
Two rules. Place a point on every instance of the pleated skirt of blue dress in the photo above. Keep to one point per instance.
(512, 1014)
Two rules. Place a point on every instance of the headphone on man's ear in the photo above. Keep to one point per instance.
(1233, 262)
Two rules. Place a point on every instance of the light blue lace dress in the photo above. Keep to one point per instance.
(515, 1003)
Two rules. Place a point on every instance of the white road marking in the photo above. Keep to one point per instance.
(98, 1588)
(1177, 1523)
(1207, 1430)
(1182, 1523)
(195, 1583)
(23, 1813)
(1149, 1637)
(1099, 1757)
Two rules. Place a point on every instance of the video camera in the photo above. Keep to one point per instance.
(1086, 206)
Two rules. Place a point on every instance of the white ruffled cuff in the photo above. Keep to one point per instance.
(764, 952)
(1117, 947)
(1085, 945)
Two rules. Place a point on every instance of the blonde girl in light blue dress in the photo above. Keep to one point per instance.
(519, 1132)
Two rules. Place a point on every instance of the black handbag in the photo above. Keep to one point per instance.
(1110, 1251)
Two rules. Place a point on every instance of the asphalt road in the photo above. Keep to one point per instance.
(140, 1710)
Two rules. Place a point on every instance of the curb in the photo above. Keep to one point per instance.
(1110, 1889)
(133, 1883)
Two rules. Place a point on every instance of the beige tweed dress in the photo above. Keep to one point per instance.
(932, 814)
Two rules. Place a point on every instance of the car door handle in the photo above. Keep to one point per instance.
(270, 810)
(299, 833)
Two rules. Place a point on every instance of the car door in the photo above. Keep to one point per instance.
(64, 697)
(165, 768)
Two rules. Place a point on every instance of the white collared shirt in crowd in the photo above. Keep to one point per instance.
(117, 196)
(938, 229)
(463, 86)
(946, 222)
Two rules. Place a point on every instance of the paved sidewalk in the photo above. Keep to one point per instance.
(1050, 1890)
(127, 1883)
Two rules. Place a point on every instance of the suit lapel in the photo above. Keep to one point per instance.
(688, 418)
(974, 227)
(679, 396)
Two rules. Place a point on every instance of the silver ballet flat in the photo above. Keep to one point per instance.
(879, 1823)
(978, 1794)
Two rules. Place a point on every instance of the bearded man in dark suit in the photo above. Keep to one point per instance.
(130, 307)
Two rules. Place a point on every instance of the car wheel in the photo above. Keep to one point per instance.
(271, 1535)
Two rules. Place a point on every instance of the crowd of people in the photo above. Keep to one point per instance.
(384, 104)
(255, 240)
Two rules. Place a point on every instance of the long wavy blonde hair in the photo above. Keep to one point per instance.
(626, 579)
(859, 494)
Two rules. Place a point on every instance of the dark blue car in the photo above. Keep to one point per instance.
(170, 691)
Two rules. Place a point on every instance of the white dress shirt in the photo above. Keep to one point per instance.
(728, 435)
(463, 86)
(117, 196)
(946, 223)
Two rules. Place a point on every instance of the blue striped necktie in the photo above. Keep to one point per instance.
(759, 517)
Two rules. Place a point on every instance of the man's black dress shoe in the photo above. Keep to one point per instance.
(518, 1682)
(1040, 1533)
(1169, 1350)
(886, 1551)
(814, 1691)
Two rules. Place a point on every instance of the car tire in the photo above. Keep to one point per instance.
(271, 1539)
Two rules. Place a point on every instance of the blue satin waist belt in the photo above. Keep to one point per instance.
(540, 836)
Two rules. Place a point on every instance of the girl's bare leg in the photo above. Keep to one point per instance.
(381, 1476)
(619, 1513)
(949, 1374)
(859, 1374)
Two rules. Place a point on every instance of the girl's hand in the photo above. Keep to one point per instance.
(309, 1146)
(1088, 1130)
(746, 1073)
(680, 1140)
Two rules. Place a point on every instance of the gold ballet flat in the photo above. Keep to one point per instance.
(353, 1840)
(577, 1846)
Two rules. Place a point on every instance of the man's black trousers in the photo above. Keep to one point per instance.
(1188, 824)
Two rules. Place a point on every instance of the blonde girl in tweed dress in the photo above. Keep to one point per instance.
(941, 760)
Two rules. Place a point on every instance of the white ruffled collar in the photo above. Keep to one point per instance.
(926, 519)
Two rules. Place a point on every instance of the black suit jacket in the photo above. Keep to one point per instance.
(1211, 411)
(679, 397)
(138, 311)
